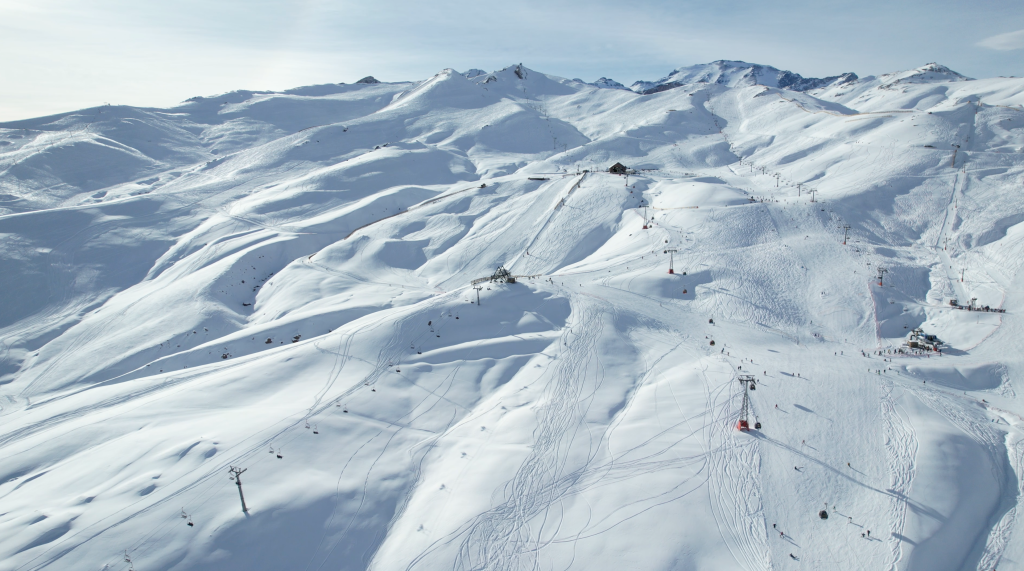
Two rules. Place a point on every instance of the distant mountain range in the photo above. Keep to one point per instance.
(739, 73)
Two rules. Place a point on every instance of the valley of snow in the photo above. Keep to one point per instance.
(281, 283)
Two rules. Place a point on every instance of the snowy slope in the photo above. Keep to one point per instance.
(281, 282)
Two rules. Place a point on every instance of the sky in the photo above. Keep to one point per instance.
(62, 55)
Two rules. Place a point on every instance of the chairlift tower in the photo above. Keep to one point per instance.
(812, 194)
(645, 217)
(846, 233)
(881, 272)
(236, 475)
(748, 383)
(478, 288)
(671, 259)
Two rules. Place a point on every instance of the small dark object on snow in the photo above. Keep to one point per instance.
(823, 514)
(712, 342)
(296, 338)
(269, 341)
(224, 356)
(246, 304)
(757, 426)
(711, 321)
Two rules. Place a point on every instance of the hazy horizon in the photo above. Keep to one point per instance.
(67, 56)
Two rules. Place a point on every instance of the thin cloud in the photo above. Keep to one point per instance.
(1004, 42)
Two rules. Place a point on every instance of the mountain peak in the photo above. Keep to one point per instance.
(928, 73)
(607, 83)
(734, 73)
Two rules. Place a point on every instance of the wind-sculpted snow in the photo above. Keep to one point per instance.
(284, 283)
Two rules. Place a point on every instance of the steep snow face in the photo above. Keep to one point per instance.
(738, 73)
(298, 285)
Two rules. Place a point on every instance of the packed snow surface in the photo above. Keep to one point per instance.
(281, 283)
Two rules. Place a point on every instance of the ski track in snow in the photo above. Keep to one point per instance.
(901, 449)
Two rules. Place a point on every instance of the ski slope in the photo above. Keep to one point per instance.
(280, 283)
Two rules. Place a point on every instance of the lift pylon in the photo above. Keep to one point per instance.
(671, 259)
(748, 382)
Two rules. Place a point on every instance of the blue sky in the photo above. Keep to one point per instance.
(62, 55)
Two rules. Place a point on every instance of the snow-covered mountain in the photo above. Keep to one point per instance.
(286, 283)
(606, 83)
(739, 73)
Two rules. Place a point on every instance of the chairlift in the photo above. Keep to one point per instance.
(190, 524)
(307, 425)
(345, 410)
(271, 449)
(315, 431)
(753, 387)
(757, 426)
(183, 514)
(279, 453)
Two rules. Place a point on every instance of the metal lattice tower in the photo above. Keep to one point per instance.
(744, 422)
